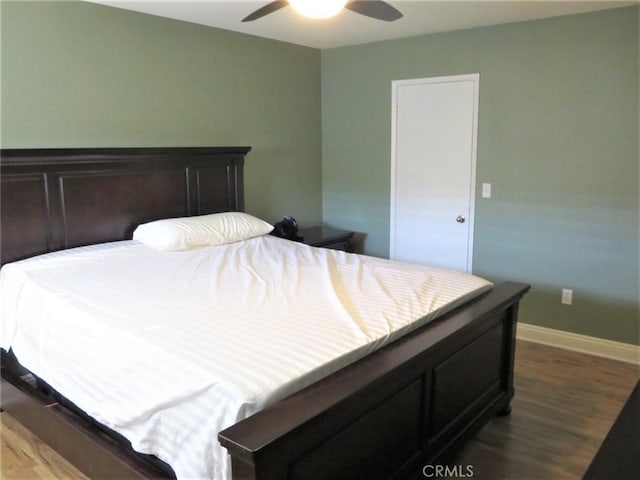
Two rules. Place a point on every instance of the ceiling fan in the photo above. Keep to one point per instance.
(326, 8)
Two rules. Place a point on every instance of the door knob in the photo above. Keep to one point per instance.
(460, 219)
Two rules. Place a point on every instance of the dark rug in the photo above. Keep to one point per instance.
(619, 455)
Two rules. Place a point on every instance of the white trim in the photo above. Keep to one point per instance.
(475, 78)
(474, 160)
(624, 352)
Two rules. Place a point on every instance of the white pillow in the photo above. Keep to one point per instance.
(189, 232)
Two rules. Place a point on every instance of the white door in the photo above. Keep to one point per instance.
(434, 131)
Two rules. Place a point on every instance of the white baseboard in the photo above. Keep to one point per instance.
(623, 352)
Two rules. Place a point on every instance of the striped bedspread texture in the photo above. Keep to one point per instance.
(169, 348)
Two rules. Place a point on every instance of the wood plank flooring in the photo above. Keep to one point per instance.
(24, 456)
(564, 406)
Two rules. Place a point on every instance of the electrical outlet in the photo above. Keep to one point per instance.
(567, 296)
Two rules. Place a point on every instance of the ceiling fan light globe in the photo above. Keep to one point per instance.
(318, 8)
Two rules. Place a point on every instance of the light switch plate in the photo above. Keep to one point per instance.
(486, 190)
(567, 296)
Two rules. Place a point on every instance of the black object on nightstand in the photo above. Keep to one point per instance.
(326, 237)
(287, 228)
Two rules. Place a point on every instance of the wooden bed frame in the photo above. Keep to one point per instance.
(410, 404)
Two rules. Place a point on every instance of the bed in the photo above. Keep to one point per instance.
(386, 415)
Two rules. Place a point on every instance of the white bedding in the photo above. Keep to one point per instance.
(170, 348)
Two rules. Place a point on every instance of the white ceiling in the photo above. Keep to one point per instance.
(349, 28)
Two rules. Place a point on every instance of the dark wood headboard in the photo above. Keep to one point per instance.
(52, 199)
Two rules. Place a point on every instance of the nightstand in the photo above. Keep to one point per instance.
(326, 237)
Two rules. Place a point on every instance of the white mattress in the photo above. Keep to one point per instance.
(170, 348)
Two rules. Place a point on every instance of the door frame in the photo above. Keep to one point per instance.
(395, 84)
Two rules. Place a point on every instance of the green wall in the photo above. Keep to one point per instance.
(79, 74)
(558, 141)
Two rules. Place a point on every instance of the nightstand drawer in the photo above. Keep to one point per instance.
(326, 237)
(344, 245)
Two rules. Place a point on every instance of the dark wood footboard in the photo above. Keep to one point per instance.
(410, 404)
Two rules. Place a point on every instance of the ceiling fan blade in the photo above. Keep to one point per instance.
(266, 10)
(375, 9)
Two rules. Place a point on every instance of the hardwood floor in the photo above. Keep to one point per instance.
(565, 404)
(24, 457)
